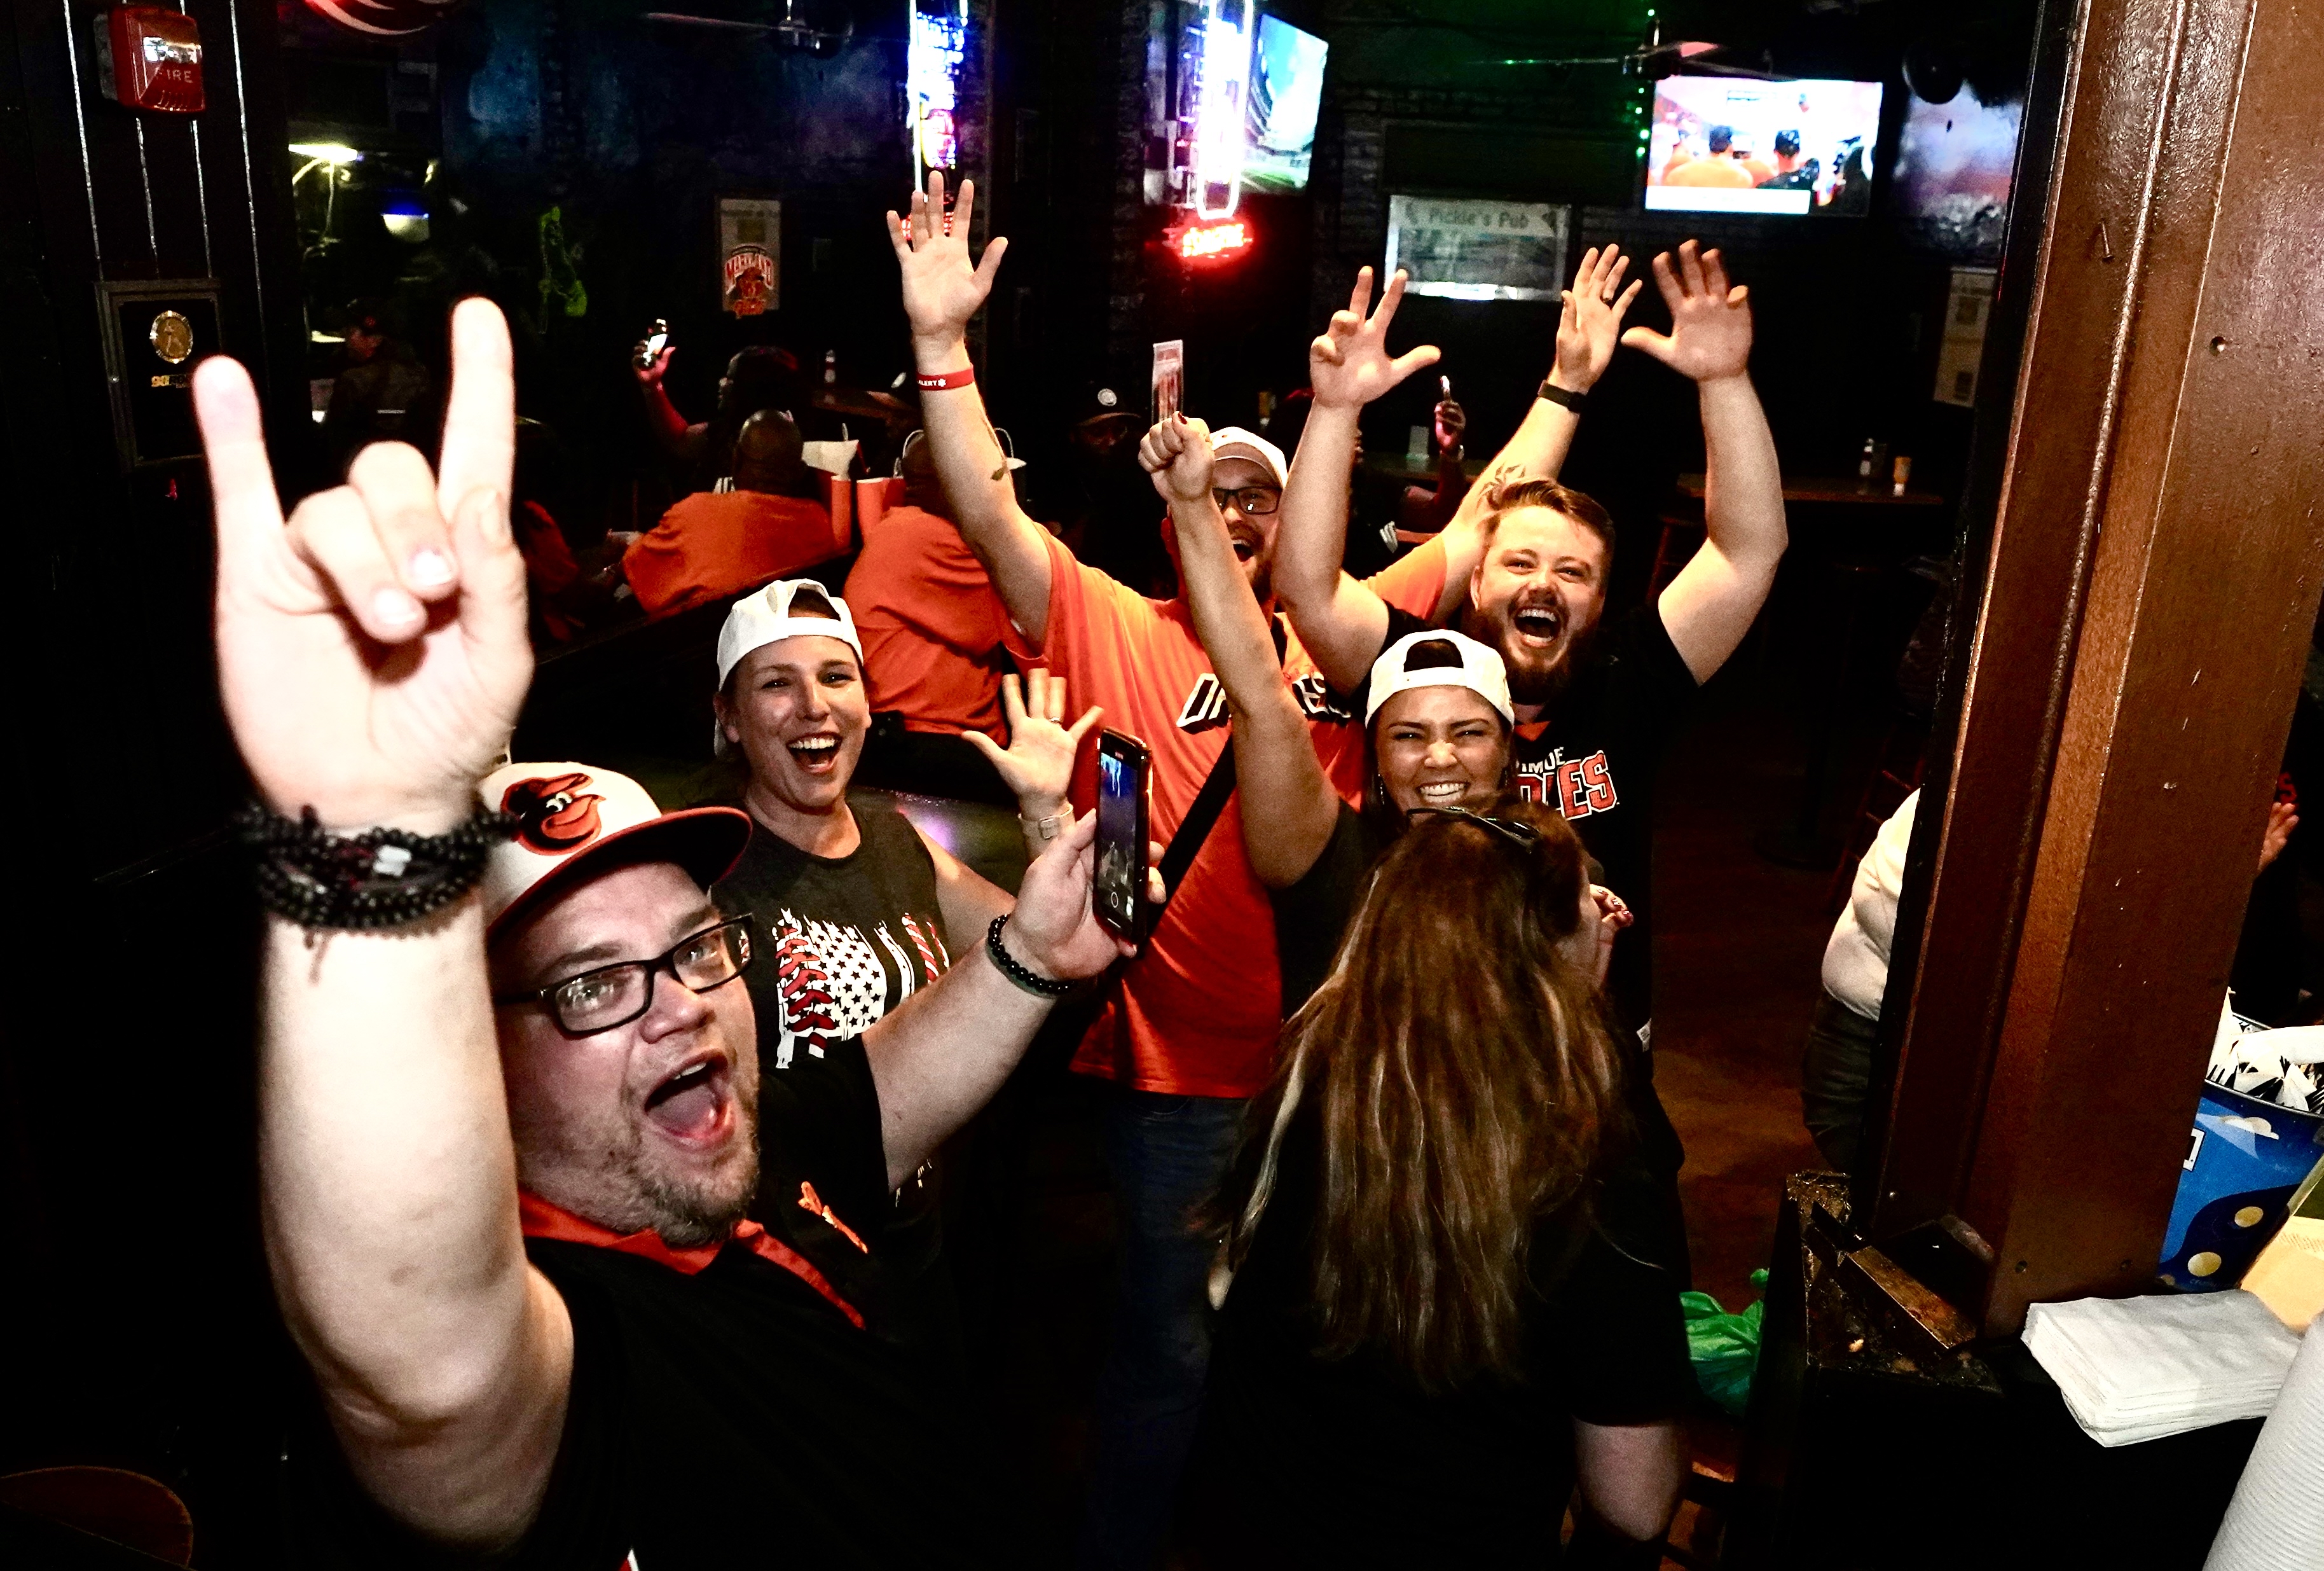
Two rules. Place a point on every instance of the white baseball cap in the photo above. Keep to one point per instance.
(1234, 442)
(567, 817)
(1480, 671)
(763, 616)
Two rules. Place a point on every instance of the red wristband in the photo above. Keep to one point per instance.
(964, 377)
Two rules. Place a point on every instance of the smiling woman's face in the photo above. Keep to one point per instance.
(1440, 747)
(798, 710)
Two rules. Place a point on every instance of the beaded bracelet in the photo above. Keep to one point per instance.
(1006, 964)
(382, 878)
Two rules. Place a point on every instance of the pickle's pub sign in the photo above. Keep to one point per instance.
(750, 255)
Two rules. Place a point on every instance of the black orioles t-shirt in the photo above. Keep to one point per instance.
(735, 1416)
(1594, 757)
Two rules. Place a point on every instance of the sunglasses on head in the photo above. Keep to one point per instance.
(1516, 832)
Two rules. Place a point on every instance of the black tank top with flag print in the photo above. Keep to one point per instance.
(841, 941)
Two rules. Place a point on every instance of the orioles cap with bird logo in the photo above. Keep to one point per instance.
(573, 820)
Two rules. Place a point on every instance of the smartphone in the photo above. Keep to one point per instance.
(1444, 387)
(657, 340)
(1124, 769)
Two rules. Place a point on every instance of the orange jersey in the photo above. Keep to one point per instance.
(934, 629)
(715, 544)
(1198, 1011)
(1717, 170)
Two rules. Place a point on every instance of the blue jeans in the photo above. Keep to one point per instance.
(1166, 1155)
(1835, 1077)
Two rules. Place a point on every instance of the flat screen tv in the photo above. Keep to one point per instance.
(1286, 87)
(1797, 149)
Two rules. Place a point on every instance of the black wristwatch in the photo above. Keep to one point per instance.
(1561, 395)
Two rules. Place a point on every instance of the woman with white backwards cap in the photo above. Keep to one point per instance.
(857, 908)
(1445, 1301)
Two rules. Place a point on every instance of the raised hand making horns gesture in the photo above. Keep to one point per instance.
(372, 650)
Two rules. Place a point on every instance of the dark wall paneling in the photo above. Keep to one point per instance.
(125, 1095)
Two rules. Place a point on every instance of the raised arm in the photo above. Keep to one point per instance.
(941, 1055)
(1589, 329)
(1430, 511)
(942, 292)
(371, 656)
(1711, 604)
(1342, 623)
(1288, 806)
(670, 432)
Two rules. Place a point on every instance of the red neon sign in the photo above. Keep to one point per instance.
(1213, 240)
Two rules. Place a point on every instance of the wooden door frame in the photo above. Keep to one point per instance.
(2124, 699)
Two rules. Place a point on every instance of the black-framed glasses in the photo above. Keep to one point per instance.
(1255, 501)
(1515, 831)
(607, 996)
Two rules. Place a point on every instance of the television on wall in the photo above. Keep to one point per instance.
(1286, 88)
(1793, 149)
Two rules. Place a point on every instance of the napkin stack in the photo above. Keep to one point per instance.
(2139, 1368)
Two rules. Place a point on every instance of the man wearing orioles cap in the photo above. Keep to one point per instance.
(510, 1105)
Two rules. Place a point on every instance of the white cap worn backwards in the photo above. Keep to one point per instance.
(1480, 670)
(764, 615)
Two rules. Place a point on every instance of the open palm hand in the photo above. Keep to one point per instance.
(1589, 325)
(1039, 763)
(942, 288)
(1349, 366)
(1711, 321)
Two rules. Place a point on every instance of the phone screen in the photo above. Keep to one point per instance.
(656, 342)
(1118, 896)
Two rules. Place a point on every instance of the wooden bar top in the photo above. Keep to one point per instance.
(1836, 490)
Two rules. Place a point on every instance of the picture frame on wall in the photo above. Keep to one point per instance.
(1457, 248)
(750, 255)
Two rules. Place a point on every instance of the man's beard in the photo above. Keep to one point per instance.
(607, 1179)
(1538, 678)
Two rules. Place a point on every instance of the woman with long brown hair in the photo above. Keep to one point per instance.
(1431, 1328)
(1448, 1288)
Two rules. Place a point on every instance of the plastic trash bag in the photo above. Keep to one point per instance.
(1724, 1347)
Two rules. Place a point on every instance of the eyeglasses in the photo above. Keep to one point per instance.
(1253, 501)
(1516, 832)
(614, 995)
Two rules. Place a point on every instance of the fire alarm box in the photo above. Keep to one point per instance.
(150, 57)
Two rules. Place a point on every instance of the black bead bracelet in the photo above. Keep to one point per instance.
(1006, 964)
(382, 878)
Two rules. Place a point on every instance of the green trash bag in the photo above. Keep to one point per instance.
(1724, 1347)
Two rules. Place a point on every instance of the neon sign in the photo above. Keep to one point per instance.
(933, 55)
(1222, 87)
(1213, 240)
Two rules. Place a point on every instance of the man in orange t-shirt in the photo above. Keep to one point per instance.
(936, 641)
(1188, 1028)
(716, 544)
(1720, 169)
